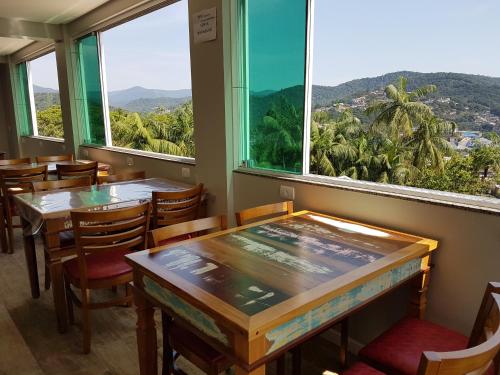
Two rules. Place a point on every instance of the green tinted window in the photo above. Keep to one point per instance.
(274, 33)
(23, 101)
(90, 90)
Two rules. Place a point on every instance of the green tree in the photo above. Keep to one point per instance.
(402, 111)
(49, 122)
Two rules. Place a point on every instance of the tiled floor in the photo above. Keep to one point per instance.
(114, 348)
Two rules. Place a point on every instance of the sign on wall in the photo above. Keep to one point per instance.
(205, 25)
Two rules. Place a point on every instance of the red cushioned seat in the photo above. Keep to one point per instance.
(174, 240)
(100, 266)
(399, 349)
(361, 368)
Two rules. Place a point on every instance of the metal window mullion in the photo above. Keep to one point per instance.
(104, 92)
(34, 123)
(308, 87)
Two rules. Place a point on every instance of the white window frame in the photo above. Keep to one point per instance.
(105, 103)
(32, 100)
(489, 204)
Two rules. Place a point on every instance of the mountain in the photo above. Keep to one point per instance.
(461, 86)
(150, 104)
(121, 98)
(43, 90)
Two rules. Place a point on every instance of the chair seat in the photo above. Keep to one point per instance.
(174, 240)
(100, 266)
(361, 368)
(399, 349)
(195, 350)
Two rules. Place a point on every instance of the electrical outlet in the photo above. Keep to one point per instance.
(130, 161)
(64, 147)
(186, 172)
(287, 192)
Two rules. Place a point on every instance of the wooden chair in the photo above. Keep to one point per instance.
(415, 346)
(185, 230)
(102, 239)
(15, 161)
(13, 182)
(175, 337)
(66, 238)
(53, 158)
(173, 207)
(124, 176)
(77, 170)
(61, 184)
(261, 212)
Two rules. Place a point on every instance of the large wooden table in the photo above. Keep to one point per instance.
(257, 291)
(48, 213)
(51, 166)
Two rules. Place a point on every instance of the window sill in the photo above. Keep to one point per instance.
(145, 154)
(43, 138)
(456, 200)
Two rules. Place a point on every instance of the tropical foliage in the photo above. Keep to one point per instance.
(404, 143)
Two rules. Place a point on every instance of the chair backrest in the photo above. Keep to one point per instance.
(118, 230)
(61, 184)
(173, 207)
(77, 170)
(18, 181)
(52, 158)
(193, 228)
(477, 359)
(263, 212)
(123, 176)
(15, 161)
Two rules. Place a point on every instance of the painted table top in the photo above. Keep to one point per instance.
(51, 166)
(35, 207)
(254, 274)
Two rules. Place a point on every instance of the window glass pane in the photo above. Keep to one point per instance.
(46, 94)
(23, 104)
(90, 82)
(148, 82)
(394, 102)
(276, 45)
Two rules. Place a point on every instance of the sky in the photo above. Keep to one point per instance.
(352, 39)
(366, 38)
(44, 71)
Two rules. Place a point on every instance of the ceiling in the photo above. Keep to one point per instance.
(47, 11)
(11, 45)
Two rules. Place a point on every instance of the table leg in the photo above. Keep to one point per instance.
(146, 335)
(344, 342)
(59, 294)
(30, 254)
(419, 288)
(258, 371)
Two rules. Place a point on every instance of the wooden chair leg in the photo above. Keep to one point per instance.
(3, 233)
(10, 232)
(128, 293)
(114, 288)
(168, 354)
(69, 301)
(86, 321)
(281, 365)
(344, 339)
(297, 360)
(47, 273)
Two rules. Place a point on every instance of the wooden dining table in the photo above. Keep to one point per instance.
(258, 291)
(51, 166)
(48, 213)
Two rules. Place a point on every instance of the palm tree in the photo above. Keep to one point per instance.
(402, 111)
(429, 144)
